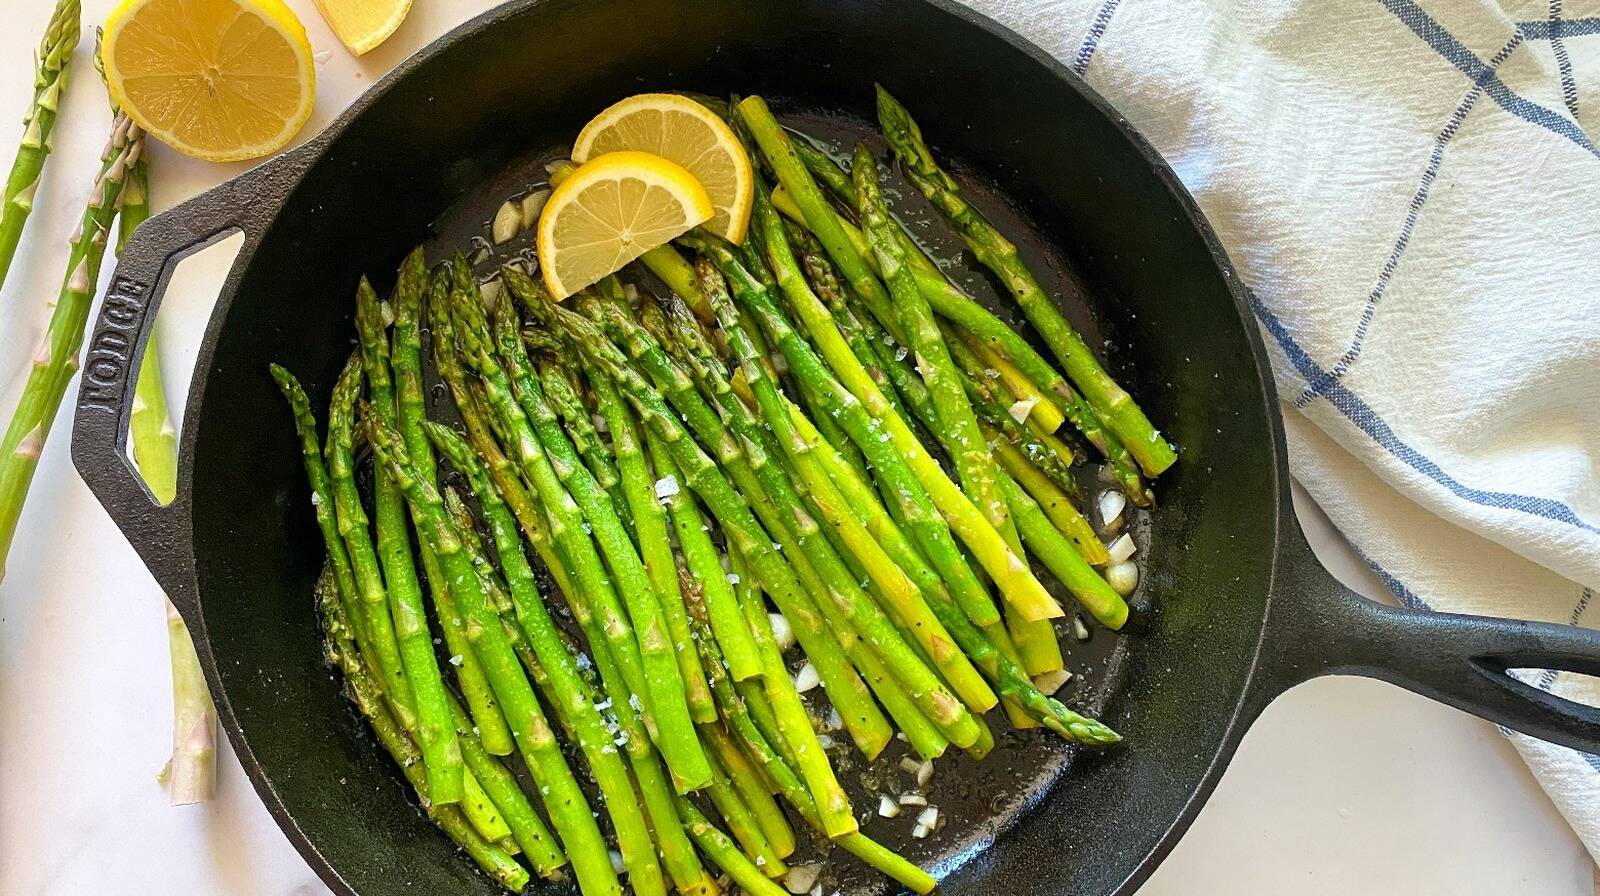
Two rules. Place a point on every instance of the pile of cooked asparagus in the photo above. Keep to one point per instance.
(815, 418)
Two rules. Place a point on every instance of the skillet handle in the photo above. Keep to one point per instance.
(1317, 626)
(111, 362)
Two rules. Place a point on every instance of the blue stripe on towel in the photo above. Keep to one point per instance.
(1367, 420)
(1569, 84)
(1569, 28)
(1091, 41)
(1414, 211)
(1456, 53)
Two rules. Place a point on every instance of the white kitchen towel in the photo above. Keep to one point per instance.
(1410, 189)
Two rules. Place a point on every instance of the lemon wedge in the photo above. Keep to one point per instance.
(680, 130)
(361, 25)
(220, 80)
(611, 210)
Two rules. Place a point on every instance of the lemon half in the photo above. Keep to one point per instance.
(220, 80)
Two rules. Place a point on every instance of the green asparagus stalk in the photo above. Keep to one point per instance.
(703, 568)
(1053, 501)
(725, 853)
(497, 783)
(758, 740)
(567, 527)
(746, 535)
(1008, 676)
(568, 692)
(752, 790)
(994, 412)
(57, 360)
(581, 429)
(678, 275)
(677, 853)
(668, 698)
(755, 477)
(364, 692)
(492, 731)
(740, 822)
(435, 731)
(49, 81)
(1114, 406)
(1063, 560)
(655, 543)
(925, 689)
(753, 692)
(563, 800)
(191, 773)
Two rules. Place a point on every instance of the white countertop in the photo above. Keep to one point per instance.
(1344, 785)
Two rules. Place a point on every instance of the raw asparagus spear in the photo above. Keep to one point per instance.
(49, 81)
(435, 730)
(1114, 406)
(57, 361)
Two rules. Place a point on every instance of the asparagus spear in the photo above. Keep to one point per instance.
(677, 853)
(500, 786)
(942, 707)
(565, 803)
(678, 275)
(752, 789)
(1114, 406)
(364, 692)
(1008, 676)
(568, 693)
(702, 568)
(753, 475)
(746, 535)
(49, 81)
(741, 822)
(668, 697)
(191, 773)
(655, 543)
(558, 390)
(490, 723)
(435, 731)
(57, 360)
(764, 750)
(567, 528)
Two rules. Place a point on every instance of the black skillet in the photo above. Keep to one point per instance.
(1242, 609)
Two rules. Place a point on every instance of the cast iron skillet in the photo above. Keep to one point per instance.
(1243, 610)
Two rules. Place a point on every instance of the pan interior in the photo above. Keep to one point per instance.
(429, 159)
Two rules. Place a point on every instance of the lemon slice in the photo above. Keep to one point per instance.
(683, 131)
(361, 25)
(220, 80)
(610, 211)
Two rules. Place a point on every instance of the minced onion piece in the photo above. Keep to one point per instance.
(1123, 577)
(1080, 630)
(781, 631)
(1023, 407)
(1050, 682)
(806, 679)
(925, 773)
(913, 799)
(1121, 549)
(887, 807)
(801, 878)
(1112, 503)
(507, 222)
